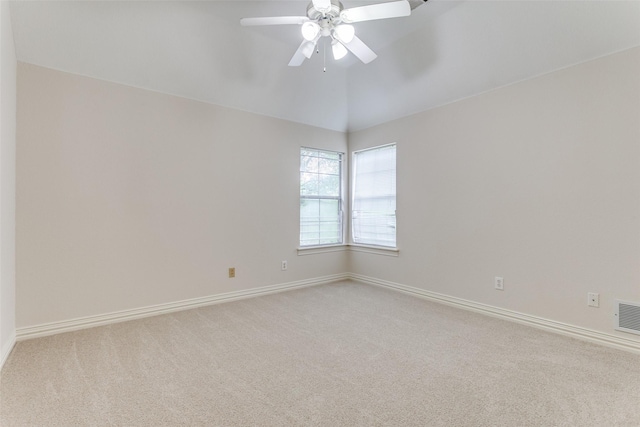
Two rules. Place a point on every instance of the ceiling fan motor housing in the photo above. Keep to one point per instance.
(314, 14)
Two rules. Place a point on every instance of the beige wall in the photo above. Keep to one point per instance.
(129, 198)
(538, 182)
(7, 183)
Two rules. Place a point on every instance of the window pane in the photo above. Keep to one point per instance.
(328, 185)
(328, 166)
(309, 183)
(320, 222)
(309, 208)
(309, 163)
(374, 198)
(320, 197)
(329, 209)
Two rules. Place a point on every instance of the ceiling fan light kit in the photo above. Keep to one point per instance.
(345, 33)
(328, 18)
(310, 30)
(338, 50)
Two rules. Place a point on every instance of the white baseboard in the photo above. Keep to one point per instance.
(537, 322)
(6, 349)
(121, 316)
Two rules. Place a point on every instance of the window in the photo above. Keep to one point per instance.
(320, 197)
(373, 214)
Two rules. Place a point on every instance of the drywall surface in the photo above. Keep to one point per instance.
(466, 48)
(538, 182)
(129, 198)
(7, 183)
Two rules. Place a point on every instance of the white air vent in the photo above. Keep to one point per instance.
(628, 316)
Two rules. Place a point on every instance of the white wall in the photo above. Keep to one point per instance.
(7, 183)
(538, 182)
(129, 198)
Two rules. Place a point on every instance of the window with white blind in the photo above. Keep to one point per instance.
(373, 209)
(320, 197)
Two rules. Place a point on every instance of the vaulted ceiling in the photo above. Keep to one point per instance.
(445, 51)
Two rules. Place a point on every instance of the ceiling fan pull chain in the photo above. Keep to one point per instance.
(324, 56)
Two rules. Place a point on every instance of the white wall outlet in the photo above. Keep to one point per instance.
(283, 266)
(593, 299)
(498, 283)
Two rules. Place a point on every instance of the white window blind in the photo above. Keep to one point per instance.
(373, 211)
(320, 197)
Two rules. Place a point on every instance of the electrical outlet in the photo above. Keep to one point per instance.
(498, 283)
(284, 265)
(593, 299)
(232, 272)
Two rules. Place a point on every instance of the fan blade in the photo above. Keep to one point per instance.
(393, 9)
(304, 51)
(361, 50)
(297, 59)
(274, 20)
(322, 6)
(309, 47)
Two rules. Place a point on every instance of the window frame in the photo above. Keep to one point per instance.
(364, 246)
(340, 198)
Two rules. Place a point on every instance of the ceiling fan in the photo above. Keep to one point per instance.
(328, 18)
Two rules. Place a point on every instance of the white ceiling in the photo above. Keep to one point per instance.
(445, 51)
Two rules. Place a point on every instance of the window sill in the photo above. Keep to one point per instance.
(312, 250)
(379, 250)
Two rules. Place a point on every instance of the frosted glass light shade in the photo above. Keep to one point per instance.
(345, 33)
(339, 51)
(310, 30)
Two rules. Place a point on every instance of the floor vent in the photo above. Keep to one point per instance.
(628, 317)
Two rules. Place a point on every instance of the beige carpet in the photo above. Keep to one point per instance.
(344, 354)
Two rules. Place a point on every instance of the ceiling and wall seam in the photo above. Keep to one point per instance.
(349, 130)
(444, 52)
(537, 76)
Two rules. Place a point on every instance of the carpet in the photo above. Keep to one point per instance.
(342, 354)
